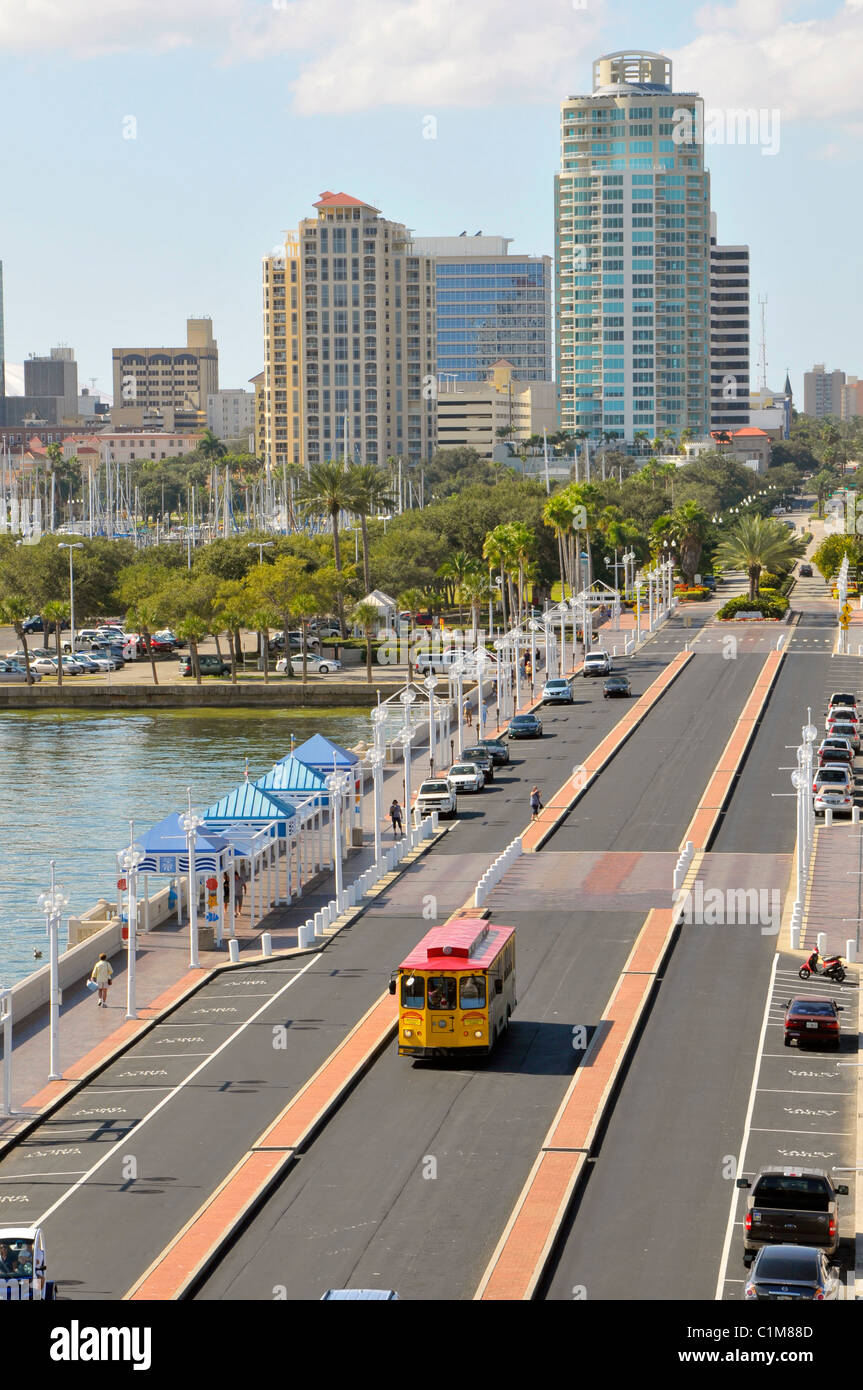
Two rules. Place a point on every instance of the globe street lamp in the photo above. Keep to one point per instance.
(77, 545)
(129, 860)
(336, 783)
(52, 904)
(375, 759)
(534, 628)
(190, 824)
(430, 684)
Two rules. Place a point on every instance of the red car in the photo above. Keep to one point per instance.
(813, 1021)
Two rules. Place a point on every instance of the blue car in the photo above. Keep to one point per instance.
(557, 692)
(525, 726)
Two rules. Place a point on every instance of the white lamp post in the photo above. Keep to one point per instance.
(376, 760)
(458, 670)
(406, 738)
(129, 860)
(6, 1021)
(52, 904)
(335, 785)
(77, 545)
(810, 733)
(190, 825)
(430, 684)
(379, 719)
(534, 629)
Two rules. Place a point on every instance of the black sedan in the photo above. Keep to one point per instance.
(616, 685)
(497, 748)
(788, 1273)
(813, 1021)
(482, 757)
(525, 726)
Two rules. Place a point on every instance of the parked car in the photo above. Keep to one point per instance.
(708, 581)
(791, 1273)
(208, 664)
(842, 697)
(47, 666)
(12, 673)
(848, 714)
(88, 664)
(115, 650)
(482, 758)
(557, 692)
(813, 1021)
(835, 750)
(104, 661)
(791, 1204)
(597, 664)
(805, 571)
(843, 729)
(430, 663)
(315, 665)
(437, 795)
(466, 777)
(36, 624)
(525, 726)
(837, 774)
(616, 686)
(498, 749)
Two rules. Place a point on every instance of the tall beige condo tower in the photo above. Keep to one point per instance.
(168, 382)
(349, 340)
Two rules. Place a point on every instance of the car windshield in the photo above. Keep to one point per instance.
(434, 789)
(813, 1006)
(413, 992)
(833, 774)
(479, 754)
(792, 1194)
(523, 720)
(777, 1263)
(442, 991)
(556, 685)
(472, 992)
(463, 770)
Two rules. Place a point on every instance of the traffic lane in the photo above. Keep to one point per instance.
(646, 797)
(491, 818)
(764, 804)
(413, 1180)
(651, 1218)
(804, 1112)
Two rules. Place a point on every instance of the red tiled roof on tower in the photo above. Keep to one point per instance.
(749, 429)
(341, 200)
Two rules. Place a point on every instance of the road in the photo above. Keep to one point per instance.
(680, 1116)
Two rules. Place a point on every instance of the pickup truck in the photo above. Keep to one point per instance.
(437, 795)
(22, 1266)
(791, 1206)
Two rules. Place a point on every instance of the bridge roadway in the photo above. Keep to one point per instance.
(411, 1182)
(652, 1216)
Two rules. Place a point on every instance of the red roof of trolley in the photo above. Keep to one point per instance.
(469, 943)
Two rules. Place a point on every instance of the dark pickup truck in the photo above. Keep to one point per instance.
(791, 1206)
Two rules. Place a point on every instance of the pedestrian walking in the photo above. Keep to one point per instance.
(226, 889)
(528, 668)
(468, 714)
(396, 818)
(239, 890)
(535, 803)
(101, 975)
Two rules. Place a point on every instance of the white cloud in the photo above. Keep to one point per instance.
(355, 55)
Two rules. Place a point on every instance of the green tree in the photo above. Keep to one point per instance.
(329, 490)
(689, 528)
(756, 543)
(822, 485)
(371, 495)
(55, 613)
(366, 615)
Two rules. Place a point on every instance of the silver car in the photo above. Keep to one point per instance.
(11, 672)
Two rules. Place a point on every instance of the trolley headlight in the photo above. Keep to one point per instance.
(478, 1033)
(408, 1033)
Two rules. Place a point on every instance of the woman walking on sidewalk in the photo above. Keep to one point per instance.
(239, 890)
(535, 803)
(101, 975)
(396, 818)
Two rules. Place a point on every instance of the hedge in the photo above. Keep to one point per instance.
(768, 605)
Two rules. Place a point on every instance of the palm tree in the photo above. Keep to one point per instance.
(454, 572)
(758, 543)
(193, 630)
(641, 439)
(14, 611)
(822, 485)
(365, 615)
(497, 552)
(689, 526)
(210, 447)
(231, 611)
(371, 494)
(558, 514)
(329, 489)
(55, 613)
(143, 616)
(476, 585)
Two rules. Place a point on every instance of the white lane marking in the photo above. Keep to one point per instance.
(57, 1173)
(806, 1133)
(726, 1246)
(789, 1091)
(175, 1092)
(126, 1090)
(157, 1056)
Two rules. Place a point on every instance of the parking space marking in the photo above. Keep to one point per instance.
(57, 1173)
(806, 1133)
(790, 1091)
(139, 1125)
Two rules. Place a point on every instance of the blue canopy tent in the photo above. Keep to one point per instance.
(299, 781)
(321, 753)
(166, 852)
(273, 826)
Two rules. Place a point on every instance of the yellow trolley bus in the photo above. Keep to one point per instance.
(456, 989)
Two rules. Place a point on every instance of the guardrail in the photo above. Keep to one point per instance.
(496, 871)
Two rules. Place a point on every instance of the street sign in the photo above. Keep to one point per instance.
(845, 613)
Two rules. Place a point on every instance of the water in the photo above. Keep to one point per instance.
(70, 783)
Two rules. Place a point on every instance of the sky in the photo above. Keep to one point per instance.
(156, 149)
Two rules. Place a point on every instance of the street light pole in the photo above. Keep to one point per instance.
(64, 545)
(376, 758)
(335, 785)
(190, 824)
(52, 904)
(129, 861)
(430, 684)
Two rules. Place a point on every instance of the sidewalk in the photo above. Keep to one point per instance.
(834, 897)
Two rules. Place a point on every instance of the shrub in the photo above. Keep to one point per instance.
(768, 605)
(692, 593)
(770, 580)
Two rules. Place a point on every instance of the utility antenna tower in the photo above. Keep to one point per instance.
(762, 300)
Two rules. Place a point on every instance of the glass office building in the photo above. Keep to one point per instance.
(632, 219)
(490, 305)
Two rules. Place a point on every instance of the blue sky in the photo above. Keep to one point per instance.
(245, 110)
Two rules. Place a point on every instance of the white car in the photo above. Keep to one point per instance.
(466, 777)
(842, 714)
(315, 665)
(103, 661)
(47, 666)
(839, 797)
(26, 1267)
(437, 795)
(833, 777)
(597, 664)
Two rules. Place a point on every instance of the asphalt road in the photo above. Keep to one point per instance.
(652, 1217)
(359, 1208)
(136, 1152)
